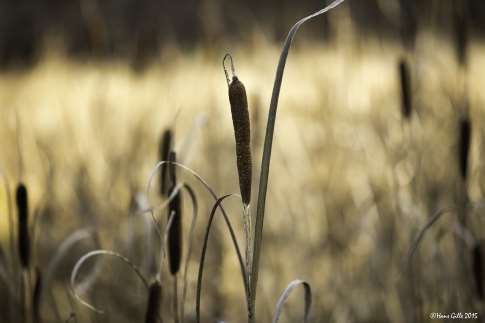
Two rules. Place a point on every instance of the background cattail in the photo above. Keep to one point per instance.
(175, 231)
(164, 150)
(23, 226)
(460, 24)
(464, 145)
(36, 296)
(153, 307)
(242, 132)
(406, 95)
(477, 262)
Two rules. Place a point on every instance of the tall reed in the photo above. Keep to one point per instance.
(175, 230)
(268, 144)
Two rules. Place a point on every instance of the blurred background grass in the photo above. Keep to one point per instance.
(87, 88)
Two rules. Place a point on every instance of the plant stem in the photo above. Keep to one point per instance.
(268, 143)
(175, 300)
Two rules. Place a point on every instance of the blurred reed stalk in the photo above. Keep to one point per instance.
(36, 297)
(195, 208)
(467, 269)
(164, 150)
(461, 44)
(23, 226)
(477, 264)
(152, 314)
(463, 137)
(23, 245)
(465, 130)
(175, 230)
(406, 89)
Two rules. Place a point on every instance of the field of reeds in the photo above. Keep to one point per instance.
(110, 179)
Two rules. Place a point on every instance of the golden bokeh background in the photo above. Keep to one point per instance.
(351, 181)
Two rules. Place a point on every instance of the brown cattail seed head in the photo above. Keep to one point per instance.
(23, 225)
(175, 230)
(164, 150)
(464, 145)
(242, 132)
(406, 95)
(477, 264)
(152, 314)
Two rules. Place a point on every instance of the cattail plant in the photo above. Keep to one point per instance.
(406, 93)
(462, 197)
(465, 129)
(242, 131)
(164, 150)
(175, 230)
(23, 226)
(174, 212)
(152, 314)
(172, 235)
(477, 264)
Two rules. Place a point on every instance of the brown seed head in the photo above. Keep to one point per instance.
(406, 95)
(464, 145)
(164, 150)
(175, 231)
(23, 226)
(242, 132)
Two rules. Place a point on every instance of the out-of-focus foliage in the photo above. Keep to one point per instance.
(138, 29)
